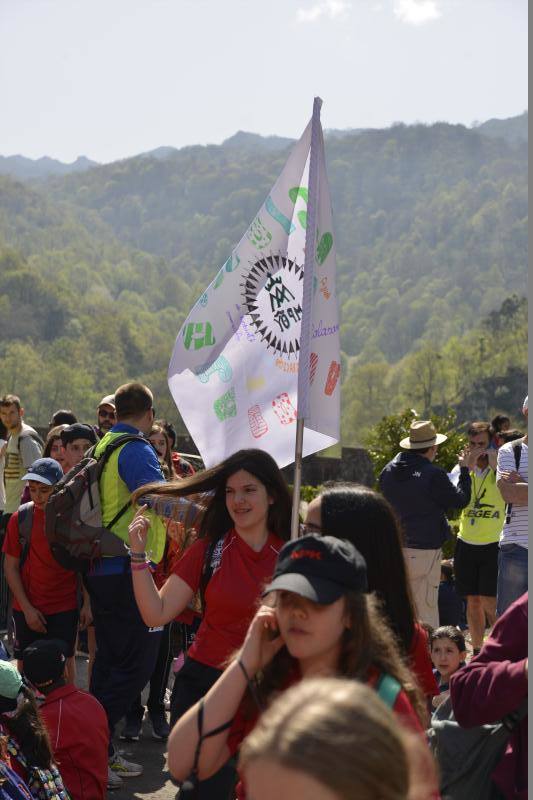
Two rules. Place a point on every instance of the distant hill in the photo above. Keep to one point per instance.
(100, 267)
(513, 129)
(24, 168)
(253, 141)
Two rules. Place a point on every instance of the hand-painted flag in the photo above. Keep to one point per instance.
(234, 369)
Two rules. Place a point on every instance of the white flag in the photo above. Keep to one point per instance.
(234, 369)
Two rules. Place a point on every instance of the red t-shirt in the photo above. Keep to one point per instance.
(243, 725)
(231, 594)
(420, 663)
(49, 587)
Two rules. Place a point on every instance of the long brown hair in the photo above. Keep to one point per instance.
(338, 732)
(216, 520)
(168, 466)
(367, 644)
(367, 520)
(28, 728)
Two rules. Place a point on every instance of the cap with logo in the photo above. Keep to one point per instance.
(319, 568)
(44, 470)
(108, 400)
(422, 434)
(44, 661)
(80, 430)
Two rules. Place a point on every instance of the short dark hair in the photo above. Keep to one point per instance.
(510, 436)
(132, 400)
(498, 421)
(452, 633)
(63, 417)
(421, 450)
(10, 400)
(475, 428)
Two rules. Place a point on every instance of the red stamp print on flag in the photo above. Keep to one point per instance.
(313, 364)
(284, 409)
(333, 377)
(258, 424)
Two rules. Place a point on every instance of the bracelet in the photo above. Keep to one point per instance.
(139, 566)
(137, 556)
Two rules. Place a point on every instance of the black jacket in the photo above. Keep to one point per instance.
(421, 493)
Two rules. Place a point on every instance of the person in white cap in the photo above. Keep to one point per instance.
(107, 415)
(421, 493)
(511, 479)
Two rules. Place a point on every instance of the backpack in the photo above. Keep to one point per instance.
(468, 756)
(32, 435)
(517, 451)
(73, 513)
(44, 784)
(12, 787)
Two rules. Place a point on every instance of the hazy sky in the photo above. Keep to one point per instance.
(112, 78)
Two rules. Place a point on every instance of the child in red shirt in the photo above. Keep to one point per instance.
(76, 722)
(45, 601)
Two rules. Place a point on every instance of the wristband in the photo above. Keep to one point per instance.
(137, 556)
(139, 566)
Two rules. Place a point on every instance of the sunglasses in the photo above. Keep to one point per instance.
(308, 527)
(106, 414)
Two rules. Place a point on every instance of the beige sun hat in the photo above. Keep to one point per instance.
(422, 434)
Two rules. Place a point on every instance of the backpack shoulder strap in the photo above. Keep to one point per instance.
(210, 564)
(32, 435)
(388, 689)
(25, 522)
(517, 450)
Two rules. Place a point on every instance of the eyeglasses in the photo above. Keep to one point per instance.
(308, 527)
(106, 414)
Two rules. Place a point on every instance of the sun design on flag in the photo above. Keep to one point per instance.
(272, 291)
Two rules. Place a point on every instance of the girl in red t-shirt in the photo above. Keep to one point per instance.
(322, 623)
(241, 532)
(367, 519)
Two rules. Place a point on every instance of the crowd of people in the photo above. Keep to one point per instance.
(312, 667)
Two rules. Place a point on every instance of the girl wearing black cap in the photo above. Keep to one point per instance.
(322, 623)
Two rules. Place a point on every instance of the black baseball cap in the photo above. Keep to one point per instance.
(78, 431)
(44, 661)
(320, 568)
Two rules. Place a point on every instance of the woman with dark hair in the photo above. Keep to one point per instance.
(243, 527)
(53, 446)
(366, 518)
(161, 443)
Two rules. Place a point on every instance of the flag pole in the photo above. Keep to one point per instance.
(307, 302)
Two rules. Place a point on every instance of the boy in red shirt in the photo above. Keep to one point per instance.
(76, 722)
(45, 604)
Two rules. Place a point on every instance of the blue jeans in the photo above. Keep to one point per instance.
(512, 576)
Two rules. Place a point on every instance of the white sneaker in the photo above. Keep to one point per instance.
(123, 768)
(114, 781)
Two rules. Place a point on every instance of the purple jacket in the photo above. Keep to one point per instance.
(493, 684)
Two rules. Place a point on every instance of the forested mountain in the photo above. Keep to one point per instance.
(99, 268)
(23, 168)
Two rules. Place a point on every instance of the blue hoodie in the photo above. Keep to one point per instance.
(421, 493)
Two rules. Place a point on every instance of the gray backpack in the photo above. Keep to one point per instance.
(468, 756)
(73, 514)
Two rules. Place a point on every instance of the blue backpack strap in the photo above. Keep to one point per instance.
(25, 522)
(388, 689)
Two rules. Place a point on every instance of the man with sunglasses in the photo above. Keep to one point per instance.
(107, 415)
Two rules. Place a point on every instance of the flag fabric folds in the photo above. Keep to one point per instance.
(234, 368)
